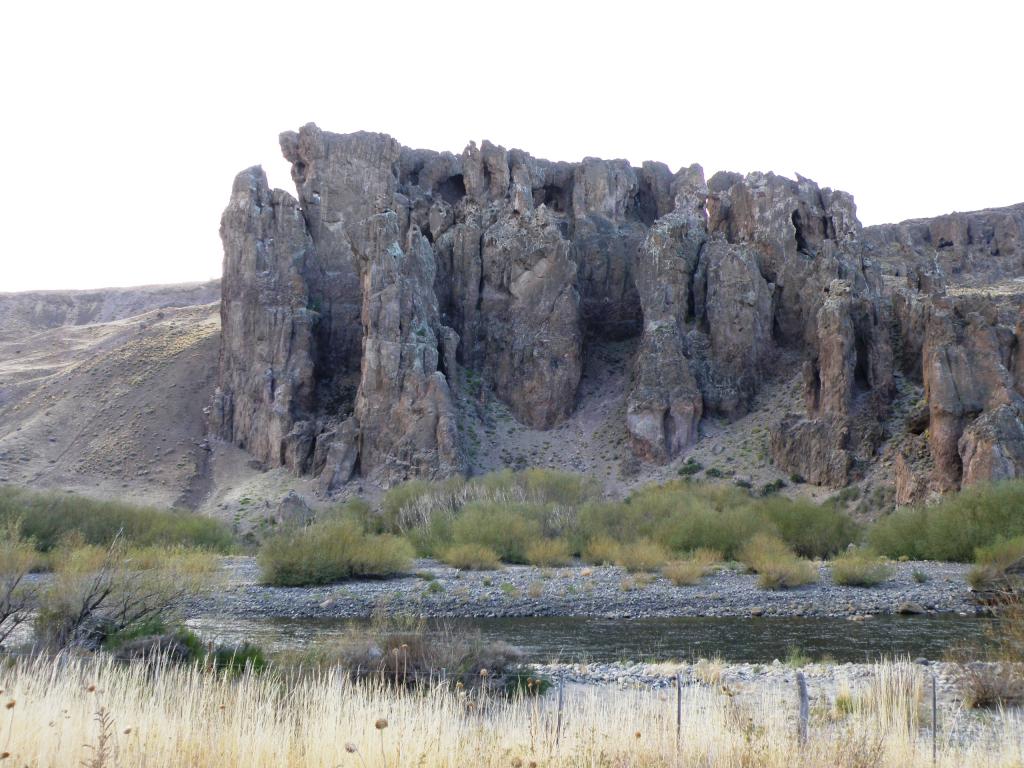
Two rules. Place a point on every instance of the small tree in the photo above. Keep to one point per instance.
(17, 599)
(99, 592)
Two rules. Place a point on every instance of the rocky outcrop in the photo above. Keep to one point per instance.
(930, 254)
(736, 310)
(812, 291)
(403, 407)
(992, 446)
(974, 397)
(266, 380)
(664, 406)
(352, 312)
(815, 449)
(530, 342)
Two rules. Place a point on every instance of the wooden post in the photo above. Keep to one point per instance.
(679, 707)
(561, 694)
(935, 723)
(805, 707)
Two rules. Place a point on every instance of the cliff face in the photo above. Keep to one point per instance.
(351, 314)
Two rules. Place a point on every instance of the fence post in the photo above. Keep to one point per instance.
(935, 723)
(561, 694)
(679, 707)
(805, 707)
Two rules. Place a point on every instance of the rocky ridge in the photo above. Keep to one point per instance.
(352, 312)
(511, 266)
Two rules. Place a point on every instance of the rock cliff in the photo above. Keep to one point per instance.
(400, 283)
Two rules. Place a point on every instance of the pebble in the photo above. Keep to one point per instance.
(596, 591)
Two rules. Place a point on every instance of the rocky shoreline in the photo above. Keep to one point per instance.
(436, 590)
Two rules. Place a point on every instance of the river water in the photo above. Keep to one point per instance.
(575, 639)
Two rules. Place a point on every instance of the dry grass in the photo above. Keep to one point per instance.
(775, 564)
(548, 552)
(178, 717)
(601, 550)
(642, 555)
(691, 570)
(991, 672)
(861, 569)
(472, 557)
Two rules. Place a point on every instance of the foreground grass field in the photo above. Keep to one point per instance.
(70, 711)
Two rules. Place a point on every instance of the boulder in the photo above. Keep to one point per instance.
(293, 511)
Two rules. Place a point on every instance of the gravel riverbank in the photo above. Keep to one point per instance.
(437, 590)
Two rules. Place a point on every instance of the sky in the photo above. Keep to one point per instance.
(123, 124)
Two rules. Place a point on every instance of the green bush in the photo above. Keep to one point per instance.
(508, 529)
(329, 551)
(955, 527)
(472, 557)
(548, 552)
(861, 569)
(601, 550)
(564, 488)
(690, 467)
(642, 555)
(48, 517)
(775, 564)
(810, 529)
(992, 562)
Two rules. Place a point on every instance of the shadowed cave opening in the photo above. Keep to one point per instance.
(645, 204)
(861, 368)
(556, 198)
(801, 239)
(452, 189)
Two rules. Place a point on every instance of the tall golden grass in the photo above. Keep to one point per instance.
(90, 711)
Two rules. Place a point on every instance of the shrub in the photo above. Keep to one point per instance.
(360, 512)
(762, 550)
(690, 467)
(683, 572)
(992, 563)
(601, 550)
(46, 518)
(642, 555)
(811, 530)
(508, 529)
(773, 487)
(399, 498)
(404, 651)
(692, 569)
(990, 684)
(564, 488)
(17, 598)
(99, 592)
(860, 569)
(329, 551)
(548, 552)
(472, 557)
(775, 564)
(991, 670)
(955, 527)
(686, 517)
(786, 574)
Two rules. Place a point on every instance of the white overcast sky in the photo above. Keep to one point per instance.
(122, 125)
